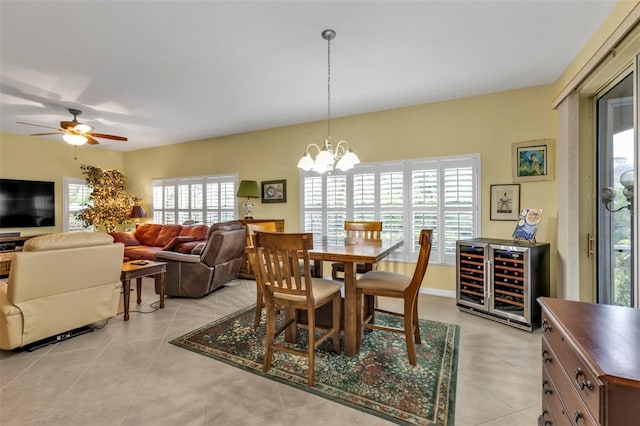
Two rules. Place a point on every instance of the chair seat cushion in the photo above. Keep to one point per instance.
(383, 280)
(321, 289)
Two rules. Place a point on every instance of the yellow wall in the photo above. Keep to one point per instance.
(24, 157)
(483, 124)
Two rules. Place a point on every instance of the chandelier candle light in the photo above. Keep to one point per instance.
(329, 157)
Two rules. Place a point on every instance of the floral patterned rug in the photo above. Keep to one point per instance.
(379, 380)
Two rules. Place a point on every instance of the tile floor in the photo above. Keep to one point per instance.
(127, 374)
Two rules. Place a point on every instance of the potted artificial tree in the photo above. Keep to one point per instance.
(109, 204)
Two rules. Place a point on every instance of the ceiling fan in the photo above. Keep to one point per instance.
(76, 133)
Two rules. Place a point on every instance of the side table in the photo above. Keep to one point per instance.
(130, 271)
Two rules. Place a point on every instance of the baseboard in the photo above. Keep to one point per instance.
(438, 292)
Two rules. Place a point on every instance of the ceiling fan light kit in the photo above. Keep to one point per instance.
(74, 139)
(76, 133)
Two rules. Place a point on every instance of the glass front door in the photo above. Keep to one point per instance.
(616, 145)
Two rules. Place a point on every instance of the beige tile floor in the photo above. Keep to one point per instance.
(127, 374)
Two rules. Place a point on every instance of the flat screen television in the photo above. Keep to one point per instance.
(26, 203)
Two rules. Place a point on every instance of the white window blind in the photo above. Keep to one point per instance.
(75, 193)
(203, 199)
(441, 194)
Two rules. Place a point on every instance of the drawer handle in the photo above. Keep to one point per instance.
(546, 422)
(545, 356)
(577, 416)
(545, 325)
(582, 384)
(546, 388)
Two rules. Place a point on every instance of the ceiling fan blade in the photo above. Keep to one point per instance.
(38, 125)
(91, 141)
(115, 138)
(46, 134)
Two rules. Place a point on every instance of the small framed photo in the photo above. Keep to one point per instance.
(533, 160)
(274, 191)
(505, 202)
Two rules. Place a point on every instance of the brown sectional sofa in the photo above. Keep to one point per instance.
(149, 238)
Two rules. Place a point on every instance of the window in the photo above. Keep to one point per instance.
(203, 199)
(75, 193)
(441, 193)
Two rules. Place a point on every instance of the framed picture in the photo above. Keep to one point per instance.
(533, 160)
(274, 191)
(505, 202)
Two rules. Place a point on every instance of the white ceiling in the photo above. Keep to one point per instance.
(163, 72)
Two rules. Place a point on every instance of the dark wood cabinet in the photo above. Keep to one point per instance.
(246, 271)
(590, 364)
(501, 279)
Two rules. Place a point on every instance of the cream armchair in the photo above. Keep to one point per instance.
(59, 282)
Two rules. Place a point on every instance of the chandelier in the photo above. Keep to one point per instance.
(340, 156)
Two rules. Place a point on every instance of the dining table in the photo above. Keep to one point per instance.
(351, 251)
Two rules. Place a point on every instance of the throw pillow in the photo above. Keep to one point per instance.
(177, 240)
(125, 238)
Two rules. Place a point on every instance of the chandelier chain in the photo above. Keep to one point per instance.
(329, 87)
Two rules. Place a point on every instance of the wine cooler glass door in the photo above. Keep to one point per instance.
(509, 295)
(472, 274)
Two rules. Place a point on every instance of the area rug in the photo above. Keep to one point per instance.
(379, 380)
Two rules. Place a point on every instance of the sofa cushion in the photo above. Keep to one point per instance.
(166, 234)
(147, 233)
(176, 241)
(126, 238)
(198, 231)
(66, 240)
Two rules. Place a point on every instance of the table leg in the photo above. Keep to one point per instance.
(139, 289)
(317, 269)
(351, 339)
(126, 293)
(159, 282)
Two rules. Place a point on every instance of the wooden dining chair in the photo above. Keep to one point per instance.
(277, 262)
(252, 228)
(391, 284)
(362, 230)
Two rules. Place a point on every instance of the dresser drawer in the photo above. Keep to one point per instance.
(553, 412)
(578, 374)
(556, 382)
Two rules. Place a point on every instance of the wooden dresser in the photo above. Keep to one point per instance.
(246, 271)
(590, 364)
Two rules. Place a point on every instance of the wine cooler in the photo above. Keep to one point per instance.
(501, 280)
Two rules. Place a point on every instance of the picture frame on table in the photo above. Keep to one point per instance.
(274, 191)
(533, 160)
(505, 202)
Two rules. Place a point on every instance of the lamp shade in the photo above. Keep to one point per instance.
(137, 212)
(248, 188)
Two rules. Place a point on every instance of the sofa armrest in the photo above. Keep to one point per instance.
(162, 256)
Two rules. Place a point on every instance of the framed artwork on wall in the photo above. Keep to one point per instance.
(274, 191)
(505, 202)
(533, 160)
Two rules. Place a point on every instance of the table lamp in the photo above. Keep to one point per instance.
(249, 189)
(136, 213)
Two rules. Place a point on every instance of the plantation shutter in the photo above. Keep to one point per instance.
(204, 199)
